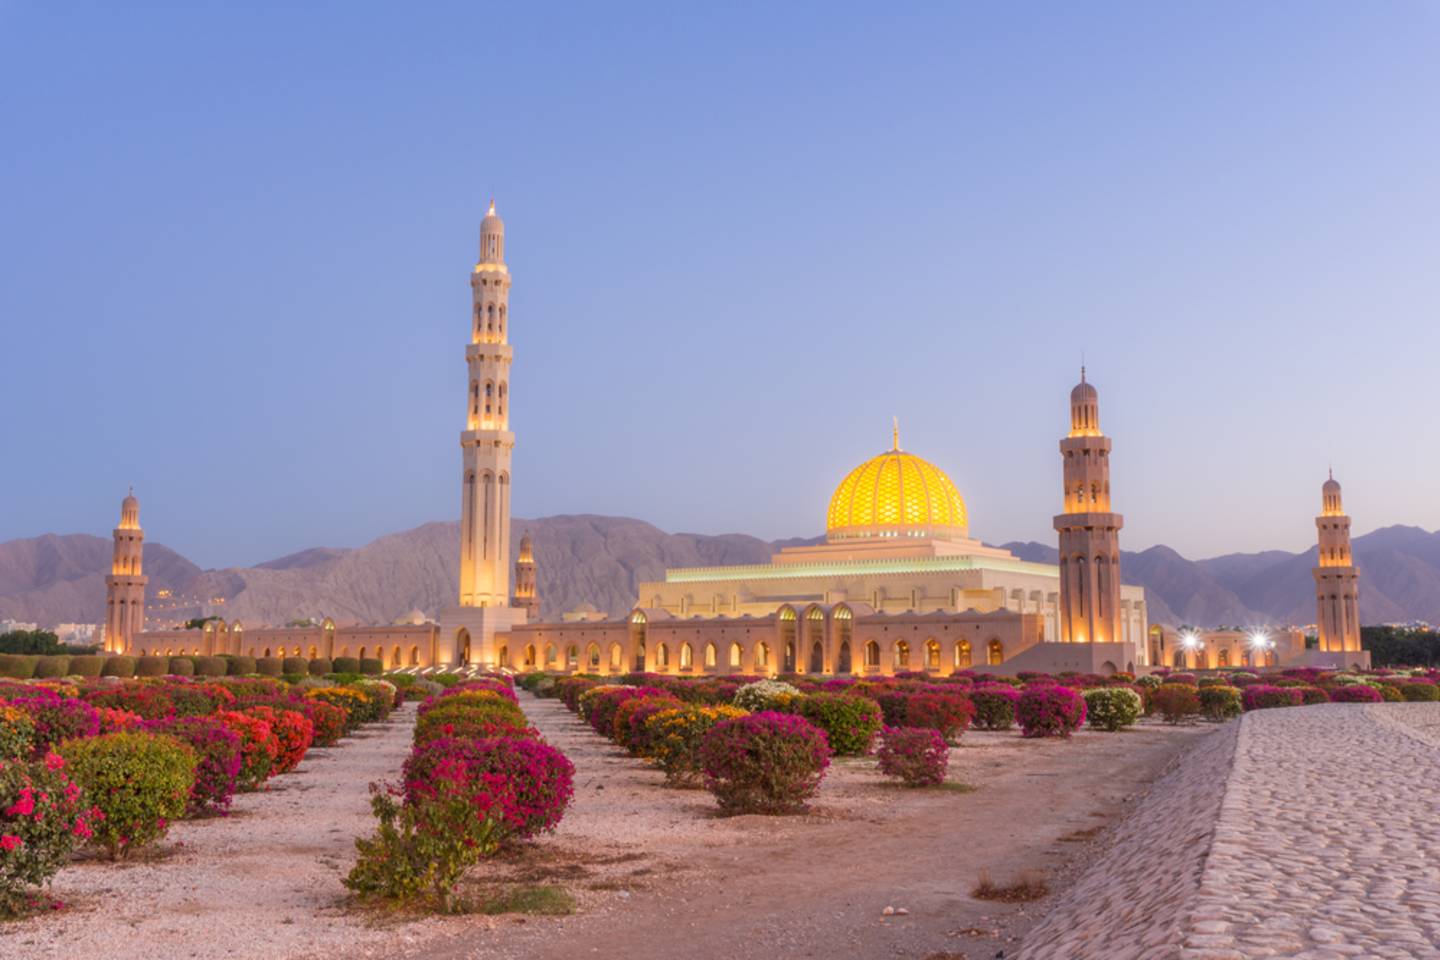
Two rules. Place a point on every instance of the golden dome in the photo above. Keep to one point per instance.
(896, 494)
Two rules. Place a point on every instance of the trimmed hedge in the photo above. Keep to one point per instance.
(320, 667)
(372, 666)
(118, 667)
(240, 667)
(88, 665)
(50, 667)
(16, 666)
(182, 666)
(269, 666)
(294, 665)
(346, 665)
(210, 666)
(152, 666)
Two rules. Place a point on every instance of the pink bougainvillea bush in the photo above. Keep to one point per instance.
(1356, 693)
(217, 748)
(1050, 710)
(764, 763)
(1262, 696)
(43, 816)
(948, 713)
(57, 719)
(917, 756)
(538, 779)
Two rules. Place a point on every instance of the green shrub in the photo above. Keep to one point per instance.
(1112, 708)
(295, 665)
(182, 666)
(372, 667)
(269, 666)
(88, 666)
(50, 667)
(1420, 692)
(140, 781)
(210, 666)
(1220, 703)
(444, 679)
(320, 667)
(346, 665)
(152, 666)
(118, 667)
(240, 667)
(850, 723)
(1176, 701)
(16, 666)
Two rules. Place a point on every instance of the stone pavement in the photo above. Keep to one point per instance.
(1310, 833)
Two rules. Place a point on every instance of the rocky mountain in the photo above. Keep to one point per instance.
(601, 560)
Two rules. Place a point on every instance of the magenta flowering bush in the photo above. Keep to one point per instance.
(494, 686)
(218, 749)
(43, 817)
(994, 705)
(529, 783)
(1050, 710)
(917, 756)
(764, 763)
(1264, 696)
(606, 703)
(57, 720)
(1356, 693)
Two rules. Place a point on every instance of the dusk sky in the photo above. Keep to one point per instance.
(235, 243)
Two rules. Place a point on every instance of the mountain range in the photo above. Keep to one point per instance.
(600, 560)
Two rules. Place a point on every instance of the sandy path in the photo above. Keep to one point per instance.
(263, 882)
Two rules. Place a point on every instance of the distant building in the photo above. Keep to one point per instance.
(16, 626)
(80, 634)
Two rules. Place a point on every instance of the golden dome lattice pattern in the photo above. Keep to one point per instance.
(896, 494)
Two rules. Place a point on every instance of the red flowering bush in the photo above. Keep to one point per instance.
(140, 781)
(1176, 701)
(259, 747)
(328, 721)
(948, 713)
(538, 780)
(488, 718)
(604, 705)
(917, 756)
(217, 748)
(629, 726)
(199, 699)
(149, 700)
(1309, 694)
(42, 818)
(498, 687)
(764, 763)
(1049, 710)
(850, 723)
(294, 732)
(1263, 696)
(57, 720)
(994, 705)
(568, 689)
(1356, 693)
(113, 721)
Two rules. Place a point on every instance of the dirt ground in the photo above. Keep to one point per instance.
(658, 875)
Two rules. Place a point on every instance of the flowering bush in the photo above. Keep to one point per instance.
(469, 697)
(569, 689)
(259, 747)
(918, 756)
(1176, 701)
(217, 749)
(948, 713)
(294, 732)
(994, 705)
(605, 701)
(140, 781)
(674, 733)
(761, 694)
(199, 699)
(1112, 708)
(1220, 703)
(149, 700)
(358, 708)
(17, 733)
(851, 723)
(1356, 693)
(497, 687)
(327, 720)
(474, 724)
(113, 721)
(536, 781)
(1049, 710)
(629, 729)
(764, 763)
(56, 720)
(1262, 696)
(42, 817)
(1309, 694)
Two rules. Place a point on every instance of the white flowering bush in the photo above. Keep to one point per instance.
(762, 694)
(1150, 680)
(1112, 708)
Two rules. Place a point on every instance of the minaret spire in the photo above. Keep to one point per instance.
(895, 433)
(125, 584)
(1337, 582)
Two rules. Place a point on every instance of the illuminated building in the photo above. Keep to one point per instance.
(125, 584)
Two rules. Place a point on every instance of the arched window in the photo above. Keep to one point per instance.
(314, 654)
(415, 656)
(503, 656)
(762, 655)
(638, 627)
(549, 653)
(932, 654)
(662, 656)
(572, 656)
(687, 657)
(736, 656)
(500, 408)
(842, 658)
(1224, 657)
(710, 656)
(902, 655)
(617, 658)
(267, 652)
(872, 655)
(592, 656)
(817, 658)
(996, 652)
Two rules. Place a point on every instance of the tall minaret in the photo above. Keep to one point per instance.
(1337, 586)
(1089, 532)
(487, 441)
(125, 585)
(525, 595)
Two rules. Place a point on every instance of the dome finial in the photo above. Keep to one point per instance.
(895, 433)
(492, 207)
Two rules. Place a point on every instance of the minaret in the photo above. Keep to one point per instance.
(487, 441)
(125, 585)
(1337, 586)
(1089, 532)
(525, 596)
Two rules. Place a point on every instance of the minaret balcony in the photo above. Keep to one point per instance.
(486, 438)
(489, 351)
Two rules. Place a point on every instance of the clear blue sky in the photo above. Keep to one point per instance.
(235, 241)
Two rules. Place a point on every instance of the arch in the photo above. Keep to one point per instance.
(1222, 657)
(363, 649)
(314, 654)
(1107, 669)
(415, 656)
(817, 658)
(549, 653)
(572, 657)
(711, 656)
(995, 652)
(267, 652)
(687, 657)
(902, 655)
(872, 655)
(462, 646)
(502, 656)
(662, 656)
(736, 656)
(842, 658)
(932, 654)
(963, 655)
(762, 656)
(395, 656)
(617, 658)
(592, 657)
(529, 656)
(639, 624)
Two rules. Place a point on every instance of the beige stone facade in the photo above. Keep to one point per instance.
(398, 645)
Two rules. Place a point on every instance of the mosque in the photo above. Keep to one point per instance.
(898, 585)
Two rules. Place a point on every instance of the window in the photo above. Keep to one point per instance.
(872, 654)
(997, 653)
(962, 654)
